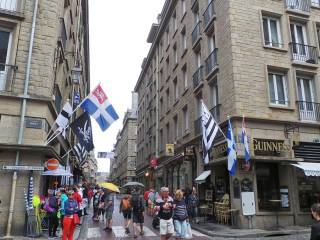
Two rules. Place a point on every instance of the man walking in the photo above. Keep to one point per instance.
(137, 212)
(126, 209)
(164, 205)
(108, 200)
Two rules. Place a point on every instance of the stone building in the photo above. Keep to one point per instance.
(90, 168)
(44, 59)
(257, 59)
(123, 165)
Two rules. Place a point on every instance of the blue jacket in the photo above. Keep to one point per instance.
(70, 207)
(63, 199)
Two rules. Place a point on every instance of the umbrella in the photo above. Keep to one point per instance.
(110, 186)
(133, 184)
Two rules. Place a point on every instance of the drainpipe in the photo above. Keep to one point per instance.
(23, 113)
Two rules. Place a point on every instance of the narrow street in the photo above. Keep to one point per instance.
(95, 229)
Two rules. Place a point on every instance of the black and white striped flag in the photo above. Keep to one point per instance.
(63, 118)
(209, 131)
(81, 153)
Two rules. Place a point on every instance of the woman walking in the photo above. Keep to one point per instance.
(315, 228)
(71, 212)
(180, 215)
(192, 205)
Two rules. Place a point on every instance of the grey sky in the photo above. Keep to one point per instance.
(118, 33)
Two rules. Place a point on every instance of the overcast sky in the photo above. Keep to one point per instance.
(118, 34)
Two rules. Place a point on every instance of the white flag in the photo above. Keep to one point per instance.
(63, 118)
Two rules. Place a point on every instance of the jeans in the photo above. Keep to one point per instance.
(53, 224)
(181, 228)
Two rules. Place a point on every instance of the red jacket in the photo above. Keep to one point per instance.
(77, 197)
(146, 195)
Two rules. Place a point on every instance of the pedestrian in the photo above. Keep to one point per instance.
(146, 198)
(52, 214)
(63, 199)
(192, 205)
(108, 201)
(180, 215)
(137, 212)
(164, 206)
(77, 197)
(70, 209)
(126, 209)
(96, 201)
(315, 228)
(101, 205)
(151, 199)
(90, 195)
(84, 198)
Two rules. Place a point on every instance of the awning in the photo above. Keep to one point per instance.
(310, 169)
(58, 172)
(202, 177)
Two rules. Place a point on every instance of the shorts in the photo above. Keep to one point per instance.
(138, 217)
(127, 214)
(109, 214)
(181, 228)
(166, 227)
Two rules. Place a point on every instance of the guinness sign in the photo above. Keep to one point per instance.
(268, 147)
(219, 151)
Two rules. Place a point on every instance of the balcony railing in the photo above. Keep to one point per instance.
(315, 3)
(304, 53)
(6, 75)
(309, 111)
(209, 13)
(197, 77)
(196, 33)
(211, 61)
(298, 5)
(215, 112)
(11, 6)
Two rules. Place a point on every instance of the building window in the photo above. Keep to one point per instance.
(176, 128)
(305, 89)
(185, 119)
(174, 22)
(211, 43)
(57, 98)
(199, 105)
(299, 40)
(5, 42)
(185, 76)
(161, 107)
(198, 59)
(161, 140)
(176, 89)
(318, 34)
(183, 7)
(168, 99)
(168, 36)
(271, 31)
(168, 132)
(175, 54)
(214, 94)
(267, 175)
(278, 88)
(184, 39)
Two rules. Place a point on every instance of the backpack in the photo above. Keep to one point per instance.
(125, 204)
(136, 202)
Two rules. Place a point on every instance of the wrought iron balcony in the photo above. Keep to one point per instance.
(304, 53)
(11, 6)
(6, 75)
(315, 3)
(211, 61)
(298, 5)
(309, 111)
(196, 33)
(209, 14)
(197, 77)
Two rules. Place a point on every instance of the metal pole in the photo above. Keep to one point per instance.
(23, 113)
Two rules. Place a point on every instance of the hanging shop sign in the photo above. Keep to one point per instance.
(268, 147)
(23, 168)
(169, 149)
(52, 164)
(219, 151)
(188, 151)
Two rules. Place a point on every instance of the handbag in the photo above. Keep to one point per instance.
(48, 209)
(76, 219)
(189, 231)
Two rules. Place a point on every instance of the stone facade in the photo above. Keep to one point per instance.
(61, 43)
(257, 59)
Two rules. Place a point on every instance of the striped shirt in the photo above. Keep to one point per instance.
(180, 211)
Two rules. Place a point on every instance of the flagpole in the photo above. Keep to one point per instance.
(67, 153)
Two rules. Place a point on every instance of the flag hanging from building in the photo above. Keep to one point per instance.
(209, 131)
(82, 128)
(63, 118)
(245, 142)
(76, 99)
(232, 153)
(99, 107)
(105, 154)
(81, 153)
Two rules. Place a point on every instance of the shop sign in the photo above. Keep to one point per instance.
(189, 151)
(35, 123)
(246, 185)
(268, 147)
(23, 168)
(52, 164)
(169, 149)
(220, 150)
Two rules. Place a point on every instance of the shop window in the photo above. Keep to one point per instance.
(268, 186)
(309, 191)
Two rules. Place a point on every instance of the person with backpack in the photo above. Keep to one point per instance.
(126, 209)
(180, 215)
(137, 212)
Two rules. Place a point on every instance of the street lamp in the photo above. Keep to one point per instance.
(147, 174)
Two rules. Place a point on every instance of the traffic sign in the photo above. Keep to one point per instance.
(23, 168)
(52, 164)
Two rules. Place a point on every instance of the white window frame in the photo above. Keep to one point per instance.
(183, 7)
(184, 40)
(175, 22)
(214, 94)
(304, 35)
(185, 119)
(176, 89)
(198, 59)
(185, 77)
(175, 54)
(211, 43)
(271, 44)
(176, 128)
(3, 74)
(301, 85)
(275, 88)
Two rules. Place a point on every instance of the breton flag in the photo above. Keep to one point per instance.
(232, 153)
(209, 131)
(81, 153)
(99, 107)
(244, 140)
(63, 118)
(82, 128)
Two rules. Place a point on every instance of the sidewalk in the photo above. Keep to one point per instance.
(217, 230)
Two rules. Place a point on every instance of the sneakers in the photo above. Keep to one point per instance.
(127, 230)
(142, 233)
